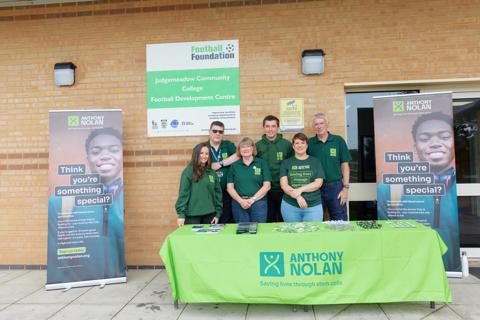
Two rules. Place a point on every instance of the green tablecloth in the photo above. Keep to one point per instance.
(322, 267)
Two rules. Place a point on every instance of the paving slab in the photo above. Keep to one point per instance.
(212, 311)
(29, 311)
(279, 311)
(88, 311)
(55, 296)
(408, 310)
(7, 275)
(148, 311)
(443, 313)
(328, 311)
(465, 293)
(156, 292)
(470, 279)
(10, 293)
(31, 277)
(467, 312)
(120, 293)
(362, 312)
(146, 295)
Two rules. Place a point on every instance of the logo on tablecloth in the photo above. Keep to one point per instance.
(272, 264)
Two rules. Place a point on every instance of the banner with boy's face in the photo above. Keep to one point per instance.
(415, 160)
(85, 206)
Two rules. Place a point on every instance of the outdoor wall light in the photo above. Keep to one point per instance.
(313, 61)
(64, 73)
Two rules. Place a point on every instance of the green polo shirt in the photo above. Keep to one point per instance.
(300, 173)
(332, 154)
(201, 197)
(274, 152)
(249, 179)
(225, 150)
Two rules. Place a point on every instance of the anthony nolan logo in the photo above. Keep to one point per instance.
(272, 264)
(213, 52)
(324, 263)
(412, 106)
(398, 106)
(73, 121)
(85, 121)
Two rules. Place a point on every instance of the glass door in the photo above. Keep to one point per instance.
(466, 114)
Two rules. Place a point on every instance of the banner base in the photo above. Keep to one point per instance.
(99, 282)
(454, 274)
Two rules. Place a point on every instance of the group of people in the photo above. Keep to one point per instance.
(272, 180)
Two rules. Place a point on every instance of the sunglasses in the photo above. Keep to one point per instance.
(218, 131)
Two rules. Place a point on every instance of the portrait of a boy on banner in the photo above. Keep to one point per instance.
(85, 208)
(415, 159)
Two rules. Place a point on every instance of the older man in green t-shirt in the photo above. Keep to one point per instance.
(334, 156)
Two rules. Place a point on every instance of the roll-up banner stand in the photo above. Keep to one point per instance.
(415, 160)
(86, 243)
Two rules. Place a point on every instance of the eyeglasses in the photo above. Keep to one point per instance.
(217, 131)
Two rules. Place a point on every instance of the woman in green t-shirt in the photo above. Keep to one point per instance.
(301, 177)
(200, 195)
(248, 182)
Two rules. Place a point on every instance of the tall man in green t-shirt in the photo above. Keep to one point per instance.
(273, 148)
(223, 154)
(334, 156)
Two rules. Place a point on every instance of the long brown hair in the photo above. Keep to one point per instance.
(198, 168)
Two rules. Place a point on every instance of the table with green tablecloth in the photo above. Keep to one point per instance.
(326, 266)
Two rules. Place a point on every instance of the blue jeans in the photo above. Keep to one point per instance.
(256, 213)
(295, 214)
(331, 202)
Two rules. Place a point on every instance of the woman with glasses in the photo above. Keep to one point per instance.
(248, 182)
(200, 195)
(301, 177)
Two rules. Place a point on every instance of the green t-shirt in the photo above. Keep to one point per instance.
(332, 154)
(225, 150)
(300, 173)
(274, 152)
(249, 179)
(201, 197)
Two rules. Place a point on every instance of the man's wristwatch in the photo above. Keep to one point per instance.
(254, 198)
(346, 186)
(221, 163)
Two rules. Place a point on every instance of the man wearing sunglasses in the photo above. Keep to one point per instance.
(223, 154)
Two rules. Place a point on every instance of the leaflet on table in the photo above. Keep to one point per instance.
(247, 227)
(205, 228)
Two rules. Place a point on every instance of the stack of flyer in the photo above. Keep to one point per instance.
(208, 228)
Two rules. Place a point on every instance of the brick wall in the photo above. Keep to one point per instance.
(364, 40)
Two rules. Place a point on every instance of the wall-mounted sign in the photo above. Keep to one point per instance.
(191, 84)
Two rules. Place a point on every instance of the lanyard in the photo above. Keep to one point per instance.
(218, 155)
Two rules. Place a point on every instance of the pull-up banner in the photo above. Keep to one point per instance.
(415, 160)
(190, 85)
(86, 244)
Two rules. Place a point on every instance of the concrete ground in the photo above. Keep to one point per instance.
(146, 295)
